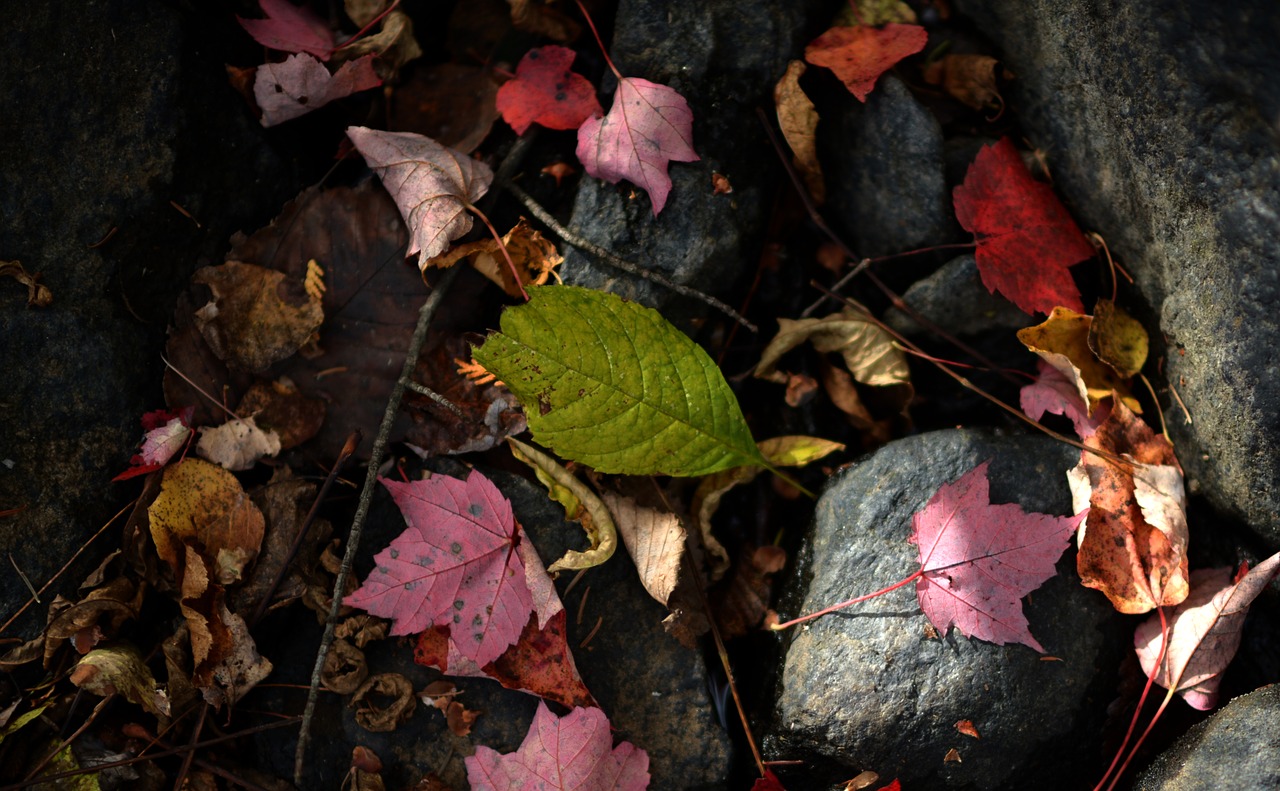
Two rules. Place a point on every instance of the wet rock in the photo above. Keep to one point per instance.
(869, 688)
(1238, 747)
(955, 299)
(122, 110)
(885, 173)
(724, 58)
(1160, 128)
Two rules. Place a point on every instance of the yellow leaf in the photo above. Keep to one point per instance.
(1062, 341)
(599, 526)
(1118, 339)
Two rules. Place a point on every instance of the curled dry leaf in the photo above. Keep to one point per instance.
(1204, 631)
(38, 295)
(654, 539)
(284, 503)
(237, 444)
(534, 256)
(970, 79)
(599, 526)
(301, 83)
(1062, 340)
(120, 670)
(868, 351)
(442, 695)
(858, 55)
(384, 702)
(394, 45)
(96, 617)
(432, 185)
(345, 668)
(648, 127)
(798, 120)
(1118, 339)
(1133, 543)
(257, 316)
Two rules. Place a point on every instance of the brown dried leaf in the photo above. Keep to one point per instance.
(204, 503)
(38, 295)
(970, 79)
(654, 539)
(281, 408)
(120, 670)
(442, 695)
(392, 707)
(798, 119)
(257, 316)
(345, 668)
(741, 604)
(490, 413)
(538, 17)
(284, 503)
(535, 258)
(394, 45)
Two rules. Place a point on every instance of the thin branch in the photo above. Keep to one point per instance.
(572, 237)
(423, 390)
(376, 455)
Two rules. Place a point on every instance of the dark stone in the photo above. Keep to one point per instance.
(884, 173)
(724, 58)
(1160, 124)
(115, 111)
(866, 688)
(1238, 747)
(955, 299)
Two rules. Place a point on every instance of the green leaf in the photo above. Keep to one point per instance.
(613, 385)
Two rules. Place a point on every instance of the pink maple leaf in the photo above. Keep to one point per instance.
(978, 559)
(1026, 239)
(545, 92)
(433, 185)
(569, 753)
(648, 126)
(301, 84)
(1204, 632)
(166, 434)
(1053, 392)
(455, 565)
(290, 28)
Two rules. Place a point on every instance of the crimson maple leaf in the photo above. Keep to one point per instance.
(978, 559)
(569, 753)
(1204, 632)
(290, 28)
(648, 127)
(545, 92)
(433, 185)
(301, 84)
(455, 565)
(1026, 239)
(858, 55)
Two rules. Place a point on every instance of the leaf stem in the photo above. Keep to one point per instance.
(501, 246)
(591, 24)
(777, 627)
(1142, 699)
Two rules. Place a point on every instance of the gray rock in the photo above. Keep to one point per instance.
(884, 172)
(1238, 747)
(1160, 123)
(868, 689)
(724, 58)
(117, 110)
(955, 299)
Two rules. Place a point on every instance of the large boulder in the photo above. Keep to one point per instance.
(1160, 125)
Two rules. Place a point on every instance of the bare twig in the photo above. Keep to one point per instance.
(576, 239)
(423, 390)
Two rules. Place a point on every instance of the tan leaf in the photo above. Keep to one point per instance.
(535, 258)
(654, 539)
(257, 316)
(120, 670)
(345, 668)
(202, 502)
(38, 295)
(876, 12)
(868, 351)
(970, 79)
(798, 120)
(394, 44)
(237, 444)
(1062, 341)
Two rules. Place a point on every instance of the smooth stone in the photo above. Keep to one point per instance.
(954, 299)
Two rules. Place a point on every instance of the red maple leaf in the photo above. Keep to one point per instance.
(290, 28)
(569, 753)
(858, 55)
(1026, 239)
(301, 84)
(978, 559)
(455, 565)
(648, 127)
(769, 782)
(545, 92)
(1204, 632)
(433, 185)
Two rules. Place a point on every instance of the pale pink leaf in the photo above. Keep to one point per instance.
(166, 434)
(569, 753)
(301, 84)
(455, 565)
(648, 126)
(431, 184)
(1053, 392)
(290, 28)
(1204, 632)
(978, 559)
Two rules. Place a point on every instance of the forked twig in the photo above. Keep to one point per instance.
(576, 239)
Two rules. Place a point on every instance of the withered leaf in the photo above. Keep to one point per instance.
(654, 539)
(119, 669)
(345, 668)
(257, 316)
(798, 120)
(384, 702)
(202, 502)
(1062, 341)
(281, 408)
(237, 444)
(1118, 339)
